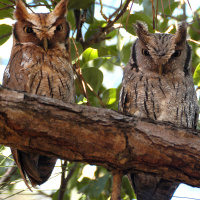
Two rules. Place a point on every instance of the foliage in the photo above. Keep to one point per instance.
(103, 46)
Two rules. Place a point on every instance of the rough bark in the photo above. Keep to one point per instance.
(99, 136)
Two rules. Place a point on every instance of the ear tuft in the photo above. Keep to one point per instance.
(21, 12)
(60, 9)
(181, 33)
(142, 32)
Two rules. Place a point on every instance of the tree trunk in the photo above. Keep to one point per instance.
(99, 136)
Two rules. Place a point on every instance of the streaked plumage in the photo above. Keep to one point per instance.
(158, 84)
(40, 64)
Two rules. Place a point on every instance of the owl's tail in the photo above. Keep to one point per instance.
(149, 187)
(37, 168)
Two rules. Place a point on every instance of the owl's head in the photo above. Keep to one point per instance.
(41, 29)
(160, 52)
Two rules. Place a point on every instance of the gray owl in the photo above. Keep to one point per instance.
(158, 84)
(40, 64)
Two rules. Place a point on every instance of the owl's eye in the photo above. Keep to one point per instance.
(28, 29)
(177, 53)
(59, 27)
(145, 52)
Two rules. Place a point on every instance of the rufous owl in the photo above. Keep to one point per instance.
(40, 64)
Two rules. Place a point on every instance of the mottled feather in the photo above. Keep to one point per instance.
(158, 84)
(40, 64)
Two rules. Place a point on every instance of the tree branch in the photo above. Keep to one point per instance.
(102, 32)
(98, 136)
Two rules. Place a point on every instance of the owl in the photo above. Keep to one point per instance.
(40, 64)
(158, 84)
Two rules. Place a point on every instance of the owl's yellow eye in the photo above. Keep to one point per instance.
(28, 29)
(177, 53)
(145, 52)
(59, 27)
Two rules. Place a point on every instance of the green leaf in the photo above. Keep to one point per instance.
(127, 189)
(79, 47)
(94, 77)
(169, 10)
(99, 62)
(93, 28)
(126, 52)
(89, 54)
(7, 9)
(94, 188)
(161, 4)
(138, 1)
(196, 75)
(112, 34)
(109, 96)
(90, 14)
(77, 4)
(5, 33)
(133, 18)
(71, 19)
(107, 51)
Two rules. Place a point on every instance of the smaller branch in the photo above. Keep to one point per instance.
(108, 6)
(64, 181)
(63, 184)
(77, 70)
(7, 176)
(6, 4)
(43, 193)
(101, 11)
(91, 89)
(116, 187)
(101, 34)
(12, 1)
(116, 11)
(7, 7)
(36, 5)
(170, 16)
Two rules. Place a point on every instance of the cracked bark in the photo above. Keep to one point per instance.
(99, 136)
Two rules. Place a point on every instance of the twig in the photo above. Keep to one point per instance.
(116, 187)
(64, 181)
(116, 11)
(129, 15)
(101, 11)
(7, 7)
(7, 176)
(108, 6)
(6, 4)
(78, 72)
(153, 13)
(101, 34)
(6, 35)
(46, 5)
(43, 193)
(12, 1)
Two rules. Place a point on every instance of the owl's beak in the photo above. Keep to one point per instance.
(45, 44)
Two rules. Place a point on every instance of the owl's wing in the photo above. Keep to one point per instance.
(127, 95)
(15, 77)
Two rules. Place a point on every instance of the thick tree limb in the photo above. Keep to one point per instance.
(99, 136)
